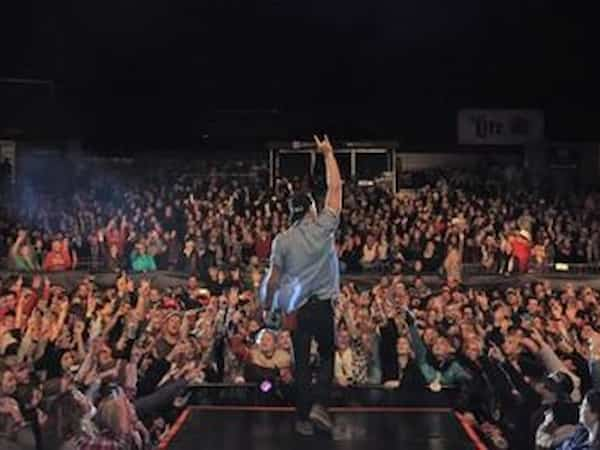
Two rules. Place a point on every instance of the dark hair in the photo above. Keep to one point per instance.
(109, 390)
(68, 413)
(298, 205)
(593, 400)
(25, 393)
(6, 292)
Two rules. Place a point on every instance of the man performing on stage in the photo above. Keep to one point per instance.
(303, 282)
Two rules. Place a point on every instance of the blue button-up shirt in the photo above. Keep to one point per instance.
(578, 441)
(306, 257)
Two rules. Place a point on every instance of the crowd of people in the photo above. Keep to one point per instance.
(520, 359)
(109, 367)
(190, 224)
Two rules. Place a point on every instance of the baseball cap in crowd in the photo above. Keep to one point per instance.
(299, 204)
(525, 234)
(560, 383)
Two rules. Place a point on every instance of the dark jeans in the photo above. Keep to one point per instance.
(315, 319)
(163, 397)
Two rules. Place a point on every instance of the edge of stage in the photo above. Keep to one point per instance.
(229, 427)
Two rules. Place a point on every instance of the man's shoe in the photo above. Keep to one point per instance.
(304, 427)
(321, 418)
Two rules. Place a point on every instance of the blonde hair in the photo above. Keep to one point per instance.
(262, 333)
(112, 415)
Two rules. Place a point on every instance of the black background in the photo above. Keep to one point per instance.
(190, 71)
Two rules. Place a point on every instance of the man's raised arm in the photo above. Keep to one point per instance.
(334, 180)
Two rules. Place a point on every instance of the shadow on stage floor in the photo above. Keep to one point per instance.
(357, 428)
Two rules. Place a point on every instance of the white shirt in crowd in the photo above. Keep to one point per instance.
(382, 250)
(369, 253)
(343, 366)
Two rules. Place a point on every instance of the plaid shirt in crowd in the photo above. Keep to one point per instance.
(105, 441)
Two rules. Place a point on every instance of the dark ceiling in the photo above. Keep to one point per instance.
(128, 69)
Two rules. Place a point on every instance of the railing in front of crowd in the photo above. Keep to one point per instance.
(558, 270)
(88, 264)
(273, 394)
(474, 269)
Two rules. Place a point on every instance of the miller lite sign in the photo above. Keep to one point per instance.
(500, 126)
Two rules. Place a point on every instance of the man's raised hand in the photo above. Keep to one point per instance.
(323, 146)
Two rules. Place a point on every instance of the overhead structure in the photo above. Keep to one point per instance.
(366, 162)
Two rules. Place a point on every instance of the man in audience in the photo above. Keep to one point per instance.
(264, 361)
(59, 257)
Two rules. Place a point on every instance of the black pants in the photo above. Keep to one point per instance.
(315, 319)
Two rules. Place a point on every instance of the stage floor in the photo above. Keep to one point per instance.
(272, 428)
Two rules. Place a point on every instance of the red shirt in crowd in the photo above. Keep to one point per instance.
(262, 248)
(56, 261)
(440, 227)
(30, 304)
(522, 251)
(4, 310)
(115, 236)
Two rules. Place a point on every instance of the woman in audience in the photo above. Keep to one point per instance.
(22, 257)
(70, 422)
(402, 372)
(15, 433)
